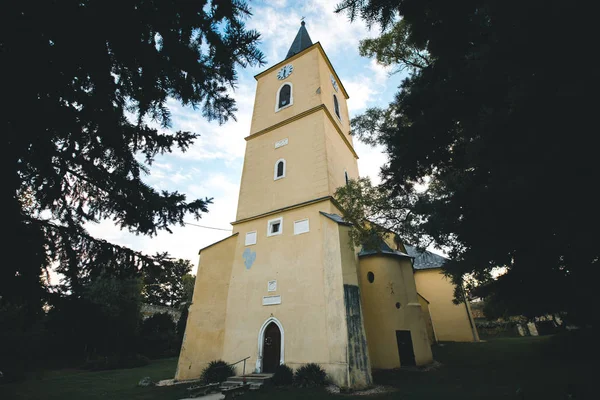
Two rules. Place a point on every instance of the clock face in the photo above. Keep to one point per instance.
(334, 83)
(272, 286)
(285, 71)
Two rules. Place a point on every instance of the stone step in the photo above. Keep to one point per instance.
(229, 384)
(252, 378)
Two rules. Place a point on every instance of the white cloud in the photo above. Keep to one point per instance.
(361, 92)
(212, 165)
(382, 72)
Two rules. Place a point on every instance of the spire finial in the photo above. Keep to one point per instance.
(301, 42)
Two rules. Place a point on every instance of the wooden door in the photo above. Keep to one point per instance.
(271, 348)
(405, 348)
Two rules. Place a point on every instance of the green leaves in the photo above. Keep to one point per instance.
(87, 85)
(490, 120)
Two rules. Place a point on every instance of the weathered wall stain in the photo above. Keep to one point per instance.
(358, 358)
(249, 257)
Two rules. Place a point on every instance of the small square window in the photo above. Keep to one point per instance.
(275, 227)
(250, 238)
(301, 227)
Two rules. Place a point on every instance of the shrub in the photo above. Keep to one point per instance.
(310, 375)
(216, 372)
(158, 336)
(283, 375)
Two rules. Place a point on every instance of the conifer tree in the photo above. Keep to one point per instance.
(496, 120)
(83, 80)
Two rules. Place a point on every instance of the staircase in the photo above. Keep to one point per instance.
(255, 381)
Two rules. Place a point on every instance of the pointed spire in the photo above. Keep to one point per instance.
(301, 42)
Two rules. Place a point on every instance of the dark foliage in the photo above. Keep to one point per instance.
(84, 80)
(158, 336)
(216, 372)
(102, 324)
(164, 285)
(310, 375)
(20, 343)
(283, 376)
(181, 324)
(501, 133)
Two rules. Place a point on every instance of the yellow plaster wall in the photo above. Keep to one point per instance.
(358, 353)
(327, 92)
(427, 317)
(450, 321)
(310, 284)
(205, 330)
(306, 167)
(381, 316)
(305, 81)
(339, 158)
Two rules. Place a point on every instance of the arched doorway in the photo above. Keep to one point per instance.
(271, 348)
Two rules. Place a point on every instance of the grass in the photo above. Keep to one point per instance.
(506, 368)
(546, 367)
(83, 385)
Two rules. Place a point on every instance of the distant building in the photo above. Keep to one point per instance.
(287, 287)
(149, 310)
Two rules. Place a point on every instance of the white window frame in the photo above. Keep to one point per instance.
(273, 221)
(255, 238)
(307, 226)
(275, 177)
(277, 108)
(339, 108)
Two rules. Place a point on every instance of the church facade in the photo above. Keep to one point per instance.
(287, 287)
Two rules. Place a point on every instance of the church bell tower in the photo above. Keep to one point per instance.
(283, 289)
(299, 148)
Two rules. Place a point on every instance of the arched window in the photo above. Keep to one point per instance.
(279, 169)
(336, 106)
(284, 96)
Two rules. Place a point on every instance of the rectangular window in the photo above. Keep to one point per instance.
(250, 238)
(275, 227)
(301, 226)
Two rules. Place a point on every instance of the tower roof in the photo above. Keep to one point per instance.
(301, 42)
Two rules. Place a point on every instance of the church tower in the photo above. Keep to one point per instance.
(299, 148)
(284, 288)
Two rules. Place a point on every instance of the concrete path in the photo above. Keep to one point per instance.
(212, 396)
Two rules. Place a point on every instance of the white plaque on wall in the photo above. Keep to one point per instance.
(272, 286)
(281, 143)
(271, 300)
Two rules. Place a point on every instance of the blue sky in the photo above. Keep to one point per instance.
(212, 166)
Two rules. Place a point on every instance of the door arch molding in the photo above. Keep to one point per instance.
(261, 340)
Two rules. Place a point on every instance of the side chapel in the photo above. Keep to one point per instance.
(286, 286)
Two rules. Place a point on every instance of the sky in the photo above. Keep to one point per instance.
(212, 167)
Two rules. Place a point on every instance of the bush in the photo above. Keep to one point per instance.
(283, 375)
(158, 336)
(216, 372)
(310, 375)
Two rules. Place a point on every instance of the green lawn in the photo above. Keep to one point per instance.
(506, 368)
(84, 385)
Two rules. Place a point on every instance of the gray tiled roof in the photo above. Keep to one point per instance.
(336, 218)
(383, 249)
(426, 259)
(301, 42)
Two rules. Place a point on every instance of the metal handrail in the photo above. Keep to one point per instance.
(237, 362)
(244, 369)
